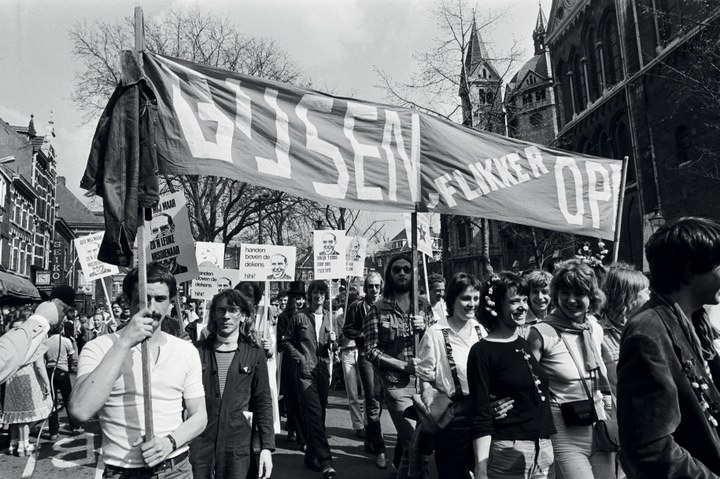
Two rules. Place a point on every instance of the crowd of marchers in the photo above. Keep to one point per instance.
(579, 372)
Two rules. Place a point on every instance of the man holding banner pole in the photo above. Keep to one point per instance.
(390, 329)
(109, 384)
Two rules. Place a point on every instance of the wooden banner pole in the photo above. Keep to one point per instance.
(107, 298)
(131, 71)
(618, 218)
(414, 305)
(427, 284)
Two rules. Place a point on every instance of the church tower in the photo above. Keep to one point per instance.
(480, 85)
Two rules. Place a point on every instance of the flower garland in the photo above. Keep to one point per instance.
(700, 385)
(489, 303)
(536, 379)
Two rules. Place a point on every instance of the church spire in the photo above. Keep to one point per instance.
(31, 127)
(539, 32)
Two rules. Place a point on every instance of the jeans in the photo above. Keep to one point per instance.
(61, 381)
(575, 455)
(520, 459)
(349, 358)
(313, 402)
(398, 400)
(181, 470)
(373, 391)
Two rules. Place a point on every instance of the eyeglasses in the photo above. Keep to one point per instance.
(404, 269)
(233, 310)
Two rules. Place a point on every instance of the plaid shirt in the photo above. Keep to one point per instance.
(388, 330)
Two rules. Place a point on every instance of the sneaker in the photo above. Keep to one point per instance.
(380, 461)
(329, 472)
(53, 437)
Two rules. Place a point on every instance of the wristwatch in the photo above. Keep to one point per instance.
(172, 441)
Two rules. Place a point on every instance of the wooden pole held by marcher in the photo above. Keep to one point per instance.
(619, 214)
(131, 67)
(414, 305)
(427, 284)
(107, 298)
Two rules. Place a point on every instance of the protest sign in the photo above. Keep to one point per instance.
(171, 241)
(87, 248)
(329, 262)
(211, 281)
(355, 252)
(209, 255)
(266, 262)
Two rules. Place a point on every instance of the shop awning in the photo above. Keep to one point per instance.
(12, 286)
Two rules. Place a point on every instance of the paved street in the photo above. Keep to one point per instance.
(76, 456)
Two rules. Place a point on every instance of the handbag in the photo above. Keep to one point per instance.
(576, 413)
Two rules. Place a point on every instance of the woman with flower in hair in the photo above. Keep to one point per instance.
(626, 289)
(517, 445)
(442, 369)
(567, 345)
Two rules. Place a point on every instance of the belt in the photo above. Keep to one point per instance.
(148, 471)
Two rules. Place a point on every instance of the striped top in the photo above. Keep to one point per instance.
(223, 359)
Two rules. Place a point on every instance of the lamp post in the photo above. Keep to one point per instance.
(260, 199)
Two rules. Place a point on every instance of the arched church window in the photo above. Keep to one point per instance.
(613, 65)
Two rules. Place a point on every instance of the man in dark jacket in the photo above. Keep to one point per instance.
(237, 395)
(668, 404)
(309, 341)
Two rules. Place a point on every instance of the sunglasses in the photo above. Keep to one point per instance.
(404, 269)
(233, 310)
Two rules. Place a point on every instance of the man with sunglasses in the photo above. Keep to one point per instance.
(390, 331)
(109, 384)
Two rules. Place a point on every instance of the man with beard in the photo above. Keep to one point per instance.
(372, 387)
(109, 385)
(390, 344)
(309, 342)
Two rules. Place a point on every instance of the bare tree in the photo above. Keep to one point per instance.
(219, 208)
(441, 71)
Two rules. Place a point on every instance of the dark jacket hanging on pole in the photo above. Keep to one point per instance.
(122, 167)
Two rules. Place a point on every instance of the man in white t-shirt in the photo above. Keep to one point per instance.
(109, 384)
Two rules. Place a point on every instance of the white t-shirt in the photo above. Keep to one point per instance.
(318, 325)
(176, 374)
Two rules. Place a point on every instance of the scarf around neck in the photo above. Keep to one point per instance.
(697, 329)
(591, 356)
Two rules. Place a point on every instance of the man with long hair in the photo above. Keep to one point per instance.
(237, 388)
(390, 331)
(309, 341)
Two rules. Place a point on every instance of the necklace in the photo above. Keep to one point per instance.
(536, 380)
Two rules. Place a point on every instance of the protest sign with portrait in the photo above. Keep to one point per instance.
(267, 262)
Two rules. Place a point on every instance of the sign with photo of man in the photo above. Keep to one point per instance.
(171, 241)
(355, 255)
(211, 281)
(266, 262)
(87, 248)
(209, 255)
(329, 262)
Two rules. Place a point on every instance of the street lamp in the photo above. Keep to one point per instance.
(260, 199)
(656, 220)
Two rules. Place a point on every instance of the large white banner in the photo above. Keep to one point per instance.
(267, 262)
(87, 248)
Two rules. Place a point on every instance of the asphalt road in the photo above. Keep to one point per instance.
(77, 456)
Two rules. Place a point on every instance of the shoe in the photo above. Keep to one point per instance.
(329, 472)
(53, 437)
(313, 464)
(29, 449)
(360, 433)
(77, 430)
(380, 461)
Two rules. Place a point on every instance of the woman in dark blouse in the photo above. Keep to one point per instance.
(501, 365)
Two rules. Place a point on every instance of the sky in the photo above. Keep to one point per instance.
(338, 44)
